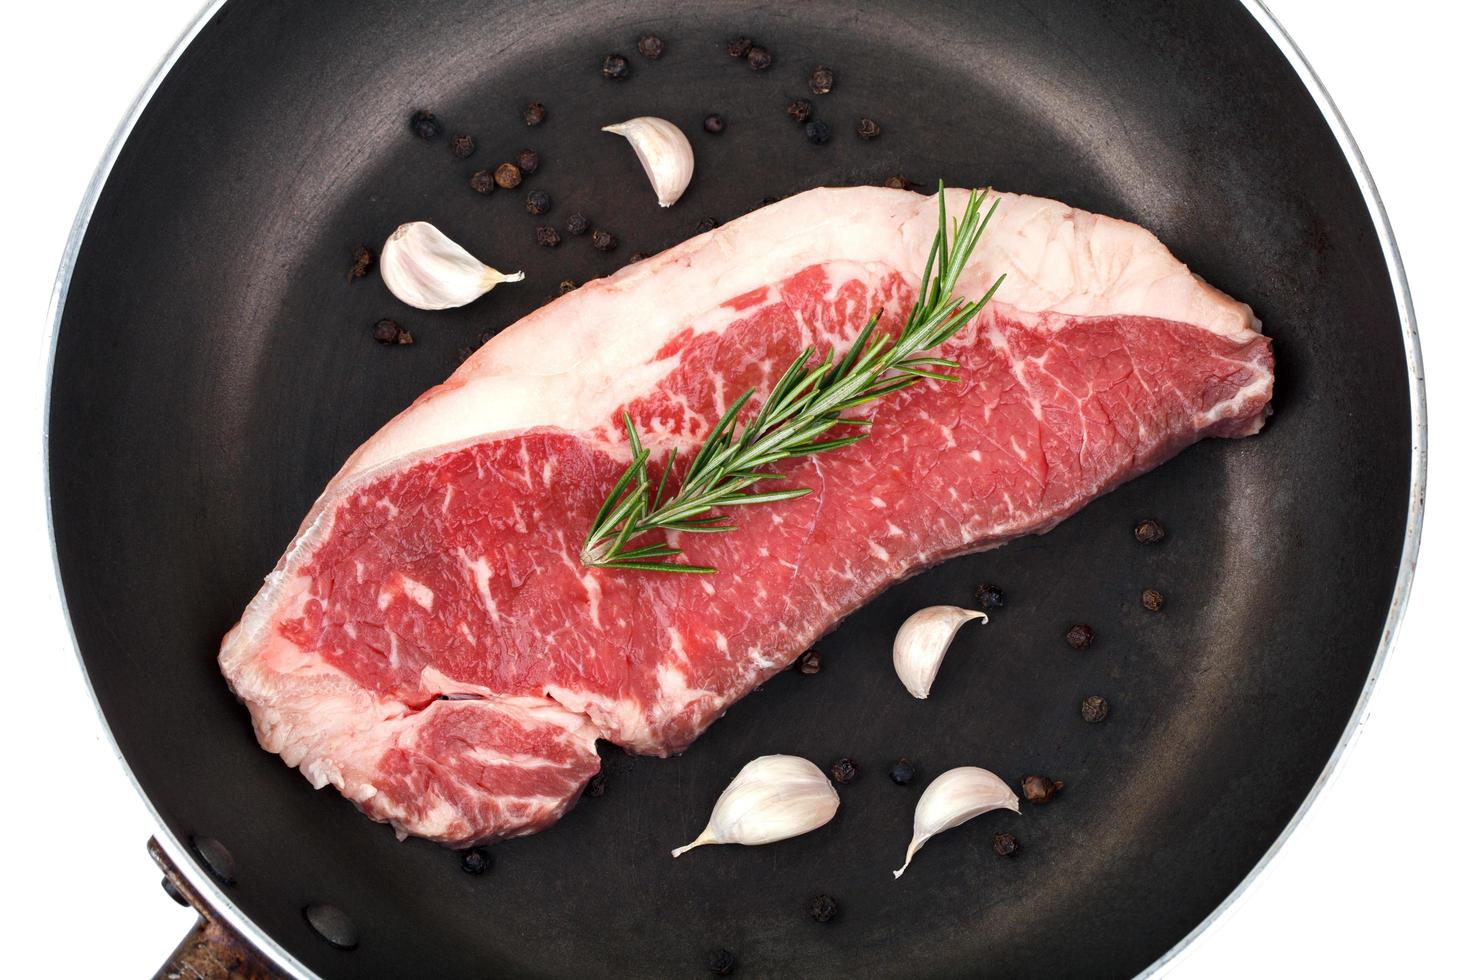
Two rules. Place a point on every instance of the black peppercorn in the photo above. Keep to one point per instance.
(900, 183)
(706, 224)
(721, 962)
(538, 202)
(1152, 599)
(578, 224)
(713, 123)
(566, 286)
(989, 596)
(476, 861)
(809, 663)
(651, 47)
(903, 772)
(820, 80)
(867, 129)
(547, 236)
(822, 908)
(758, 58)
(361, 259)
(739, 47)
(637, 257)
(818, 132)
(508, 175)
(1039, 789)
(1149, 532)
(424, 125)
(462, 145)
(1080, 637)
(1005, 844)
(1094, 709)
(482, 181)
(596, 786)
(534, 113)
(844, 771)
(614, 66)
(603, 241)
(389, 332)
(800, 110)
(529, 161)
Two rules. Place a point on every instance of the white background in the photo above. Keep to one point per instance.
(1371, 884)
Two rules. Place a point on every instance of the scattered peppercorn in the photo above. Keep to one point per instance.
(596, 786)
(538, 202)
(1039, 789)
(820, 80)
(529, 161)
(361, 259)
(547, 236)
(844, 771)
(739, 47)
(534, 113)
(566, 286)
(476, 861)
(1094, 709)
(424, 125)
(867, 129)
(822, 908)
(989, 596)
(1005, 844)
(903, 772)
(721, 962)
(1080, 637)
(809, 663)
(603, 241)
(818, 132)
(578, 224)
(1152, 599)
(900, 183)
(651, 47)
(1149, 532)
(758, 58)
(508, 175)
(482, 181)
(462, 145)
(706, 224)
(800, 110)
(389, 332)
(714, 123)
(637, 257)
(614, 66)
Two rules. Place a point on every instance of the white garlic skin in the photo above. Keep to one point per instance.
(428, 270)
(922, 642)
(664, 151)
(954, 797)
(772, 798)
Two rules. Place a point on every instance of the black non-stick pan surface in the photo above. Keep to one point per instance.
(214, 367)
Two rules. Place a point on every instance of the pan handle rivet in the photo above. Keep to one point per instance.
(332, 924)
(215, 856)
(172, 891)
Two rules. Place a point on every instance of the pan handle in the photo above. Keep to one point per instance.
(211, 950)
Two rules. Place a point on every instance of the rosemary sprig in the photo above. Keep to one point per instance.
(807, 402)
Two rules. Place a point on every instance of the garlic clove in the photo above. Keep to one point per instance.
(430, 271)
(954, 797)
(664, 151)
(772, 798)
(922, 642)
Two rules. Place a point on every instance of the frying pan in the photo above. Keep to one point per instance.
(213, 367)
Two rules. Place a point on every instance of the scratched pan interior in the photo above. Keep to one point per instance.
(214, 368)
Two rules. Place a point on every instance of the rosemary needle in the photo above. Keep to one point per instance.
(807, 402)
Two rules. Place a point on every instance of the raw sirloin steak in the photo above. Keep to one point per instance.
(431, 644)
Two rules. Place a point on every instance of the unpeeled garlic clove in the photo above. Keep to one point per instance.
(664, 151)
(772, 798)
(922, 642)
(429, 271)
(954, 797)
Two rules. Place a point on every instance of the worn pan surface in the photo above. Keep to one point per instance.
(214, 367)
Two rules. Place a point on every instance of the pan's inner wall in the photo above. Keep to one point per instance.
(215, 367)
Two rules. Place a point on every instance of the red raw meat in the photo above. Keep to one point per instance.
(431, 645)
